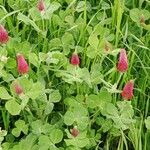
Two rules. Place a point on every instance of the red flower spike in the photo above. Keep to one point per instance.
(41, 6)
(23, 67)
(123, 61)
(127, 92)
(3, 35)
(18, 88)
(75, 59)
(74, 132)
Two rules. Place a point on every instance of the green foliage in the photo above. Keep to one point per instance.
(76, 114)
(3, 133)
(122, 118)
(28, 21)
(13, 107)
(20, 126)
(36, 90)
(136, 13)
(58, 96)
(4, 94)
(77, 142)
(147, 123)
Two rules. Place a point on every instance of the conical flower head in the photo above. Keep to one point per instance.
(75, 59)
(3, 35)
(74, 132)
(127, 92)
(18, 88)
(122, 65)
(23, 67)
(41, 5)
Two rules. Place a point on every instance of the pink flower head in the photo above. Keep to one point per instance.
(74, 132)
(3, 35)
(23, 67)
(41, 5)
(18, 88)
(123, 61)
(75, 59)
(127, 92)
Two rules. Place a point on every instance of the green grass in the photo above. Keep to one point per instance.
(58, 96)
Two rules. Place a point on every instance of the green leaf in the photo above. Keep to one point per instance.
(17, 4)
(93, 101)
(70, 19)
(9, 77)
(47, 128)
(105, 98)
(107, 125)
(53, 147)
(72, 75)
(114, 52)
(42, 56)
(93, 41)
(51, 59)
(51, 8)
(121, 117)
(146, 14)
(4, 94)
(56, 136)
(147, 122)
(112, 113)
(23, 48)
(49, 107)
(33, 59)
(115, 132)
(105, 5)
(37, 127)
(55, 96)
(57, 21)
(3, 132)
(104, 95)
(36, 90)
(135, 14)
(35, 14)
(11, 63)
(123, 107)
(80, 143)
(21, 126)
(2, 12)
(69, 118)
(13, 107)
(28, 21)
(85, 75)
(96, 74)
(82, 5)
(111, 110)
(70, 102)
(16, 132)
(24, 101)
(44, 140)
(68, 39)
(25, 83)
(55, 43)
(28, 141)
(91, 52)
(77, 114)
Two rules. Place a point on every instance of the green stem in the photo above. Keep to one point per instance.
(5, 117)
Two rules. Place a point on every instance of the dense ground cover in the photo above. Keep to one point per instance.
(74, 75)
